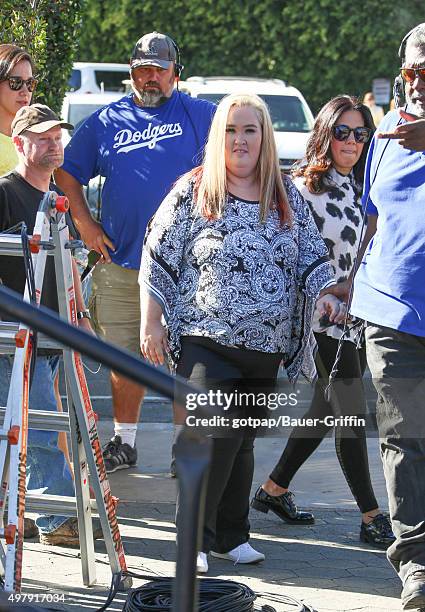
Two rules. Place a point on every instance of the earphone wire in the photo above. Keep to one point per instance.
(178, 71)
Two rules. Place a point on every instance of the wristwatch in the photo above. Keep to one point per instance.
(83, 314)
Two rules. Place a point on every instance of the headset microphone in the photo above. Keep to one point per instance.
(398, 91)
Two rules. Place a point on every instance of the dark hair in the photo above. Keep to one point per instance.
(318, 158)
(10, 55)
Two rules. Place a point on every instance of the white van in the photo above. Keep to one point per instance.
(77, 107)
(291, 116)
(89, 77)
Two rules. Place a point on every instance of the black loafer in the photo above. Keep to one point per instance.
(378, 532)
(283, 506)
(413, 593)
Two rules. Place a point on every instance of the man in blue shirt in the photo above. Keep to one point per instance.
(141, 144)
(389, 293)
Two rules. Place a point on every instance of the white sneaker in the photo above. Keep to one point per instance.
(201, 563)
(244, 553)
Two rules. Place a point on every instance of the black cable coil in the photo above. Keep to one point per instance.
(214, 596)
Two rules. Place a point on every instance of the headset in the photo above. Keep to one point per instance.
(178, 66)
(398, 89)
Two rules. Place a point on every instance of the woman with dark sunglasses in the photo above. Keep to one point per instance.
(16, 88)
(330, 179)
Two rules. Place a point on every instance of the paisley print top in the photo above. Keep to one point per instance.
(338, 216)
(235, 280)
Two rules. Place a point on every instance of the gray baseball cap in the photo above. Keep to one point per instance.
(153, 49)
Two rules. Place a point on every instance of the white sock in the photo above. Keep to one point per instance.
(177, 430)
(127, 432)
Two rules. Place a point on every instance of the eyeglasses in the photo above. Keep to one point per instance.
(16, 83)
(342, 132)
(410, 74)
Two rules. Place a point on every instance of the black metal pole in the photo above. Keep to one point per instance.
(122, 361)
(192, 462)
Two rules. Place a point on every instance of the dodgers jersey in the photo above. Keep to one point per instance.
(141, 152)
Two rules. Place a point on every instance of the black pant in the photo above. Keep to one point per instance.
(209, 365)
(350, 442)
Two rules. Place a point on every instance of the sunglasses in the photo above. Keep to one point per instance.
(342, 132)
(410, 74)
(16, 83)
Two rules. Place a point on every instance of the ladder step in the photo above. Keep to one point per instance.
(45, 420)
(11, 244)
(7, 339)
(54, 504)
(58, 505)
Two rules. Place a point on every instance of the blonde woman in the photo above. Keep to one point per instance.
(233, 261)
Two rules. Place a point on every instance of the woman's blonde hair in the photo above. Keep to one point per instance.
(211, 179)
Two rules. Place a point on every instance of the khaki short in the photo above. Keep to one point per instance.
(115, 305)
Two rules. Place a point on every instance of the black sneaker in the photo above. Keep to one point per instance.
(378, 532)
(119, 456)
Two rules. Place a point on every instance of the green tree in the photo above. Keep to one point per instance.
(48, 30)
(322, 47)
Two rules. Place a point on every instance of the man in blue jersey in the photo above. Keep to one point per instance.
(389, 293)
(141, 145)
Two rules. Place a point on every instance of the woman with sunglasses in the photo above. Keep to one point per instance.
(17, 85)
(330, 180)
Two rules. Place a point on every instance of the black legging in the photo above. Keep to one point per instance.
(350, 442)
(210, 365)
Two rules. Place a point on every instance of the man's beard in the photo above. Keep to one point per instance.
(151, 98)
(417, 104)
(51, 162)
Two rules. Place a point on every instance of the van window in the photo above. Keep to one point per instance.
(112, 79)
(287, 112)
(74, 82)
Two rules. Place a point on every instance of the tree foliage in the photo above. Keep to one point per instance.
(49, 30)
(322, 47)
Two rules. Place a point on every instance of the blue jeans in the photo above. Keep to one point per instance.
(47, 468)
(397, 363)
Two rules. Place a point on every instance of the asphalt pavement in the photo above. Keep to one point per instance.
(324, 565)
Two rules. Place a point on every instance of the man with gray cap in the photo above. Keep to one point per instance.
(37, 135)
(141, 145)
